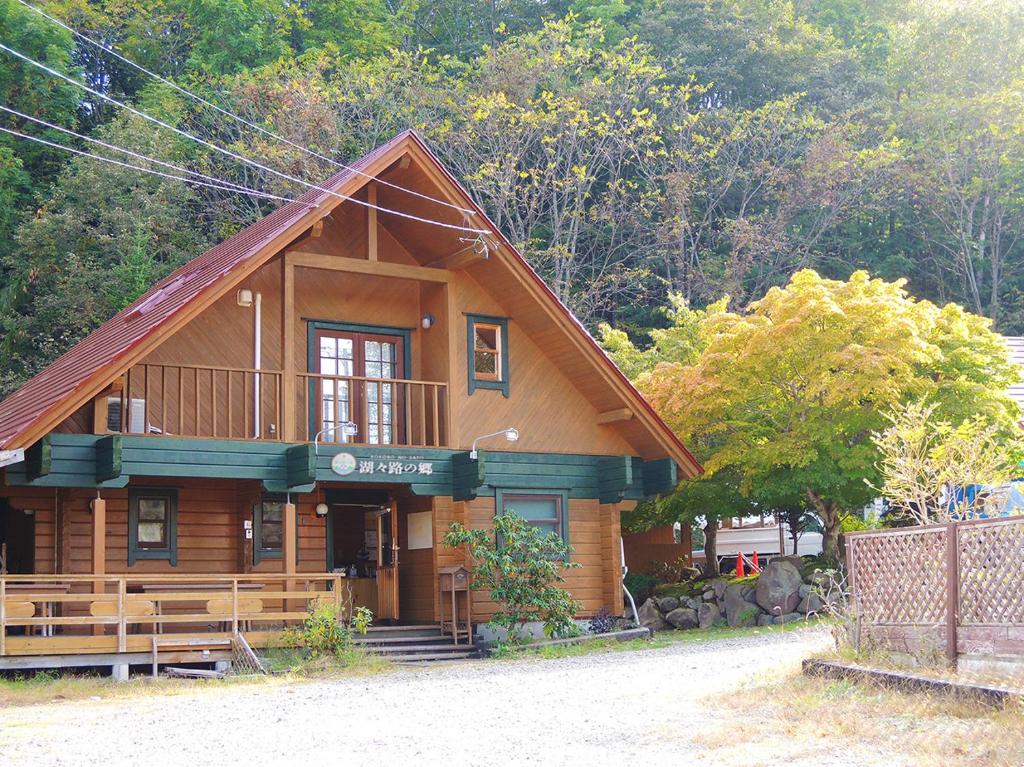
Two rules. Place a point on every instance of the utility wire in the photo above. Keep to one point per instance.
(186, 179)
(231, 154)
(229, 185)
(233, 116)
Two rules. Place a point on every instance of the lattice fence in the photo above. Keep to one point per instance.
(954, 588)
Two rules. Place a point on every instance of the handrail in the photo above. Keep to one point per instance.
(372, 379)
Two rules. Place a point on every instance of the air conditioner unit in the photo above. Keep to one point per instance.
(136, 418)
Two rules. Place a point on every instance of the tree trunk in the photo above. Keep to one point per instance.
(831, 522)
(711, 547)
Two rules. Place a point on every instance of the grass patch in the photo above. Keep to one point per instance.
(802, 716)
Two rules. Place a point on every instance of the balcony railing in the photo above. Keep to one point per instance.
(242, 403)
(372, 411)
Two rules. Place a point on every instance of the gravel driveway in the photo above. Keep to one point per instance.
(596, 709)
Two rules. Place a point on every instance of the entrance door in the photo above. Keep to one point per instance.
(387, 563)
(17, 541)
(361, 398)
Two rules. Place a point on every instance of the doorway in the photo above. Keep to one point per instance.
(359, 391)
(17, 540)
(362, 544)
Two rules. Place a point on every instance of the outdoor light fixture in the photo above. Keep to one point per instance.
(511, 435)
(321, 510)
(349, 429)
(244, 297)
(427, 321)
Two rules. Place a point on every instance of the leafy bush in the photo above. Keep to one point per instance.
(521, 574)
(326, 633)
(602, 622)
(641, 586)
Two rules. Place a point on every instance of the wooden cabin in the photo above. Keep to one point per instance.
(301, 413)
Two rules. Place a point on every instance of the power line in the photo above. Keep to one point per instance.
(186, 179)
(231, 154)
(233, 116)
(113, 147)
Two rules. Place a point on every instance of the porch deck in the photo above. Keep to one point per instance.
(83, 617)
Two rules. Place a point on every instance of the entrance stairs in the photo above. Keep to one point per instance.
(414, 644)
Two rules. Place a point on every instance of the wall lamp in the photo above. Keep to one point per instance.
(511, 435)
(427, 321)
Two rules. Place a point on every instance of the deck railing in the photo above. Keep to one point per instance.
(198, 401)
(372, 411)
(82, 614)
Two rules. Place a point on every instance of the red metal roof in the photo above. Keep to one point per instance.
(105, 348)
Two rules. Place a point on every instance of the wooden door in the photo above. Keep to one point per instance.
(361, 387)
(387, 564)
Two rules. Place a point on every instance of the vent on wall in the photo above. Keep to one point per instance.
(136, 417)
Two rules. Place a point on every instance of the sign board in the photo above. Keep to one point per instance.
(344, 464)
(421, 534)
(8, 457)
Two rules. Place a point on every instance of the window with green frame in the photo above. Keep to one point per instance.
(268, 529)
(152, 524)
(487, 353)
(547, 510)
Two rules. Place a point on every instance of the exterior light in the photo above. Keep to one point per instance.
(348, 429)
(321, 510)
(244, 297)
(427, 321)
(511, 434)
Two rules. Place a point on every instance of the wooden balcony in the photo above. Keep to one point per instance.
(108, 614)
(242, 403)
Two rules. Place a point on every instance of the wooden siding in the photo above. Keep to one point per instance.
(416, 577)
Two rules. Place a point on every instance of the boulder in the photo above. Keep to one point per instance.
(787, 618)
(752, 596)
(668, 604)
(683, 618)
(650, 616)
(708, 615)
(691, 602)
(719, 585)
(811, 603)
(709, 596)
(778, 588)
(819, 578)
(738, 611)
(805, 589)
(764, 619)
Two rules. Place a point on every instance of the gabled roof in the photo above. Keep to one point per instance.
(85, 370)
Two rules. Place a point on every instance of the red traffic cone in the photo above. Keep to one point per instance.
(739, 566)
(756, 564)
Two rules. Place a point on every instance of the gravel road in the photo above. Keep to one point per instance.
(596, 709)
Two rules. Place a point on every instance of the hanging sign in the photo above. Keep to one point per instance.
(344, 464)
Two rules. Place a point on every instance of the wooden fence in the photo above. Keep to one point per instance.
(86, 614)
(955, 588)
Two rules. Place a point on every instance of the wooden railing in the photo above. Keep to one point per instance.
(73, 614)
(198, 401)
(372, 411)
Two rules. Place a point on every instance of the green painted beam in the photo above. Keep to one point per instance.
(660, 477)
(468, 475)
(615, 476)
(109, 452)
(39, 458)
(300, 465)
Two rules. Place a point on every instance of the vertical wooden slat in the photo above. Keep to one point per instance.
(952, 589)
(231, 431)
(234, 606)
(181, 400)
(437, 417)
(213, 402)
(145, 399)
(195, 404)
(447, 417)
(122, 623)
(423, 414)
(245, 405)
(407, 418)
(163, 398)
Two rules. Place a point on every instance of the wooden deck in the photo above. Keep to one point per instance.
(71, 616)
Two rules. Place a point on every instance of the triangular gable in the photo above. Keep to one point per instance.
(90, 366)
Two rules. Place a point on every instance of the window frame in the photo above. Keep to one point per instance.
(500, 380)
(259, 552)
(560, 495)
(168, 552)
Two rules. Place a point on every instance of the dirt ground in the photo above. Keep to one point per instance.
(737, 700)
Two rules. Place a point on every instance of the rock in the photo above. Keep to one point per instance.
(778, 588)
(621, 624)
(819, 578)
(650, 616)
(738, 611)
(668, 604)
(692, 602)
(764, 619)
(708, 615)
(683, 618)
(805, 589)
(752, 595)
(811, 603)
(709, 596)
(787, 618)
(719, 585)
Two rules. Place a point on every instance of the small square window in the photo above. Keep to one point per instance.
(152, 525)
(268, 524)
(487, 353)
(153, 513)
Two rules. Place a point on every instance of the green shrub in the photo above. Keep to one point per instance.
(641, 586)
(521, 574)
(326, 633)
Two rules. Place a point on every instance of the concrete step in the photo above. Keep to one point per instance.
(416, 639)
(466, 655)
(390, 650)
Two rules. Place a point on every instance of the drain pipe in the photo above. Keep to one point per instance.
(257, 355)
(625, 571)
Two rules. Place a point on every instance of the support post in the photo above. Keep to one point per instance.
(952, 589)
(99, 550)
(289, 555)
(3, 616)
(289, 429)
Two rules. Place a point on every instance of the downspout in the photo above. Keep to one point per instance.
(257, 359)
(625, 571)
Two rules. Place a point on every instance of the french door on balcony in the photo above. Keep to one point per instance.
(359, 399)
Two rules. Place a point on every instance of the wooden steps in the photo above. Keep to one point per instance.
(414, 644)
